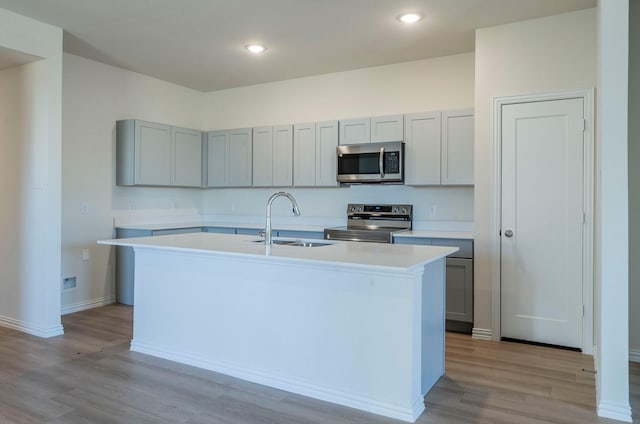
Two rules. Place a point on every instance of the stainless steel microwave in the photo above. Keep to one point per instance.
(371, 163)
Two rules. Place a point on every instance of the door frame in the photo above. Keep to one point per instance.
(587, 95)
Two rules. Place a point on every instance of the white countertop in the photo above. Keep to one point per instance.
(422, 233)
(369, 255)
(226, 224)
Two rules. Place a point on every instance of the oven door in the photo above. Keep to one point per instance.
(374, 163)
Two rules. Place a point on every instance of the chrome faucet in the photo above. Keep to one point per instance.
(267, 228)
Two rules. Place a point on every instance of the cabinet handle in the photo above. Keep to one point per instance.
(381, 162)
(508, 233)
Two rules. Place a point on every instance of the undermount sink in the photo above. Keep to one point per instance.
(299, 243)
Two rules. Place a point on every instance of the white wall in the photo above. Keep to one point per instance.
(612, 213)
(30, 136)
(634, 179)
(540, 55)
(95, 96)
(434, 84)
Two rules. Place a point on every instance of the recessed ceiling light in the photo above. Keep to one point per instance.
(410, 18)
(255, 48)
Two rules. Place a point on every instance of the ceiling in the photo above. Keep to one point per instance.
(200, 43)
(10, 58)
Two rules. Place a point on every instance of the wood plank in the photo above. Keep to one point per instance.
(89, 375)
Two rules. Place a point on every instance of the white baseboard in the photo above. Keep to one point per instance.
(614, 412)
(634, 355)
(482, 334)
(87, 304)
(305, 388)
(28, 328)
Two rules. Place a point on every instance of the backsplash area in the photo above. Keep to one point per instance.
(453, 204)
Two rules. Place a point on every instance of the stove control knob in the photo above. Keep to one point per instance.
(404, 210)
(359, 208)
(394, 210)
(353, 209)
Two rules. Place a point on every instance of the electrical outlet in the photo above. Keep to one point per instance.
(84, 208)
(132, 206)
(69, 283)
(85, 254)
(432, 211)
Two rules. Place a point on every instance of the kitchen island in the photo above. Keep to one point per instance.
(358, 324)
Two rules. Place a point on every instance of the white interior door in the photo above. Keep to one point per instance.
(542, 220)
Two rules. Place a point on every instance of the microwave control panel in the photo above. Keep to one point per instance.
(392, 162)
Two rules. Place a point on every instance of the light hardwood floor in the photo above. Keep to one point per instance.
(89, 376)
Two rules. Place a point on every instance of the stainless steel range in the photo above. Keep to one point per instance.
(372, 223)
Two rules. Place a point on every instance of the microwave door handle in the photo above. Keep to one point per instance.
(381, 162)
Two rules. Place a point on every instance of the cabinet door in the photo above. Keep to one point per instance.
(460, 289)
(152, 153)
(217, 152)
(240, 158)
(457, 147)
(263, 157)
(304, 155)
(282, 156)
(186, 158)
(387, 128)
(422, 148)
(355, 131)
(326, 159)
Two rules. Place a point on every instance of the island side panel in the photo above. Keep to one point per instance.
(343, 335)
(433, 323)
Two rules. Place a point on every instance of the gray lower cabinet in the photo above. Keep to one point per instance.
(220, 230)
(125, 259)
(459, 293)
(249, 231)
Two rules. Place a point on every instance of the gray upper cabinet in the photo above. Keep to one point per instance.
(439, 148)
(372, 130)
(355, 131)
(186, 158)
(229, 158)
(387, 128)
(422, 148)
(273, 156)
(326, 159)
(216, 152)
(263, 157)
(240, 158)
(314, 147)
(283, 156)
(152, 154)
(304, 155)
(457, 147)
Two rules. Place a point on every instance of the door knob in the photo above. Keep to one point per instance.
(508, 233)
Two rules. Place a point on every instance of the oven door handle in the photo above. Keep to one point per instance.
(381, 162)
